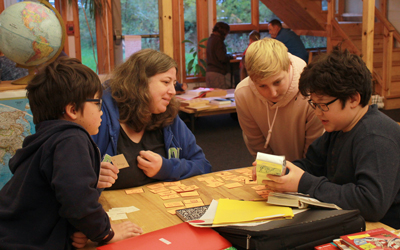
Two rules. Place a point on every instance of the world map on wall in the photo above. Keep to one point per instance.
(16, 123)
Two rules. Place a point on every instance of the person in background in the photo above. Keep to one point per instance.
(253, 36)
(291, 40)
(140, 121)
(356, 163)
(51, 201)
(180, 88)
(274, 117)
(217, 72)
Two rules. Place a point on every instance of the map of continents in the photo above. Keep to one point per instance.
(32, 16)
(16, 124)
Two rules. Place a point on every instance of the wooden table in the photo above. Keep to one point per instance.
(213, 110)
(153, 215)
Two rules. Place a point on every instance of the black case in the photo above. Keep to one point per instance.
(305, 231)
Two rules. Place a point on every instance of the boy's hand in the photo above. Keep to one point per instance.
(79, 240)
(149, 162)
(285, 183)
(108, 175)
(125, 230)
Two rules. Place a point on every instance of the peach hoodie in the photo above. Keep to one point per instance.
(295, 126)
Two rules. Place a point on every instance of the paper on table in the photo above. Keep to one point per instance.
(207, 218)
(233, 211)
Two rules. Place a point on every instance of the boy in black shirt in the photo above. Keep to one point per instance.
(52, 196)
(355, 164)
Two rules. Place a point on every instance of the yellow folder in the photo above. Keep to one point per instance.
(234, 211)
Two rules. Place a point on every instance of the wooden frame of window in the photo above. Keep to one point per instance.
(104, 39)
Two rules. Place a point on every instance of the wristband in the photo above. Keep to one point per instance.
(108, 237)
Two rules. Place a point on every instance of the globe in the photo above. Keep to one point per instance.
(31, 34)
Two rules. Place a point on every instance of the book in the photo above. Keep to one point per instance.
(297, 200)
(376, 239)
(221, 102)
(269, 164)
(179, 237)
(327, 246)
(201, 92)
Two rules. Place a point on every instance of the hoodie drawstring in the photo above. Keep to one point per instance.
(270, 126)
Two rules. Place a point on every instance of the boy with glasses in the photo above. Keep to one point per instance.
(356, 163)
(51, 202)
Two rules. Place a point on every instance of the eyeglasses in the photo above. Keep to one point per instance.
(322, 106)
(98, 102)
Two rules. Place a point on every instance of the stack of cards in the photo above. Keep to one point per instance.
(269, 164)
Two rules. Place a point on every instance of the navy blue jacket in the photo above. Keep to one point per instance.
(185, 157)
(293, 42)
(53, 190)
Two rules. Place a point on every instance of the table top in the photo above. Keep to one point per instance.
(153, 214)
(207, 109)
(7, 85)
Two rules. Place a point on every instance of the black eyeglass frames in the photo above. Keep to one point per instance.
(322, 106)
(98, 102)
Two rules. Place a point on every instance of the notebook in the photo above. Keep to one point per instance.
(178, 237)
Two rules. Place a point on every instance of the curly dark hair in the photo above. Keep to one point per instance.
(129, 86)
(338, 74)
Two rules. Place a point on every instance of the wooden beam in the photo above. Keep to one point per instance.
(179, 35)
(255, 14)
(368, 32)
(383, 7)
(104, 36)
(63, 7)
(77, 30)
(165, 24)
(387, 62)
(1, 5)
(330, 17)
(202, 27)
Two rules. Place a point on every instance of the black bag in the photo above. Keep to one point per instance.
(305, 231)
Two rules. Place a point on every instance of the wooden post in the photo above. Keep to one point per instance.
(330, 16)
(166, 31)
(104, 35)
(368, 33)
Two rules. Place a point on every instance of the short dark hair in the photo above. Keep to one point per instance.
(338, 74)
(276, 22)
(64, 81)
(222, 28)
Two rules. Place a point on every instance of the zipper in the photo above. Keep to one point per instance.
(248, 241)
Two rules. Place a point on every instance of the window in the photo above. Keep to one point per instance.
(138, 17)
(234, 11)
(87, 26)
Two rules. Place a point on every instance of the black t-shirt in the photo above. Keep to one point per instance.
(133, 176)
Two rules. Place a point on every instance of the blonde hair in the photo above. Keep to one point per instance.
(266, 58)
